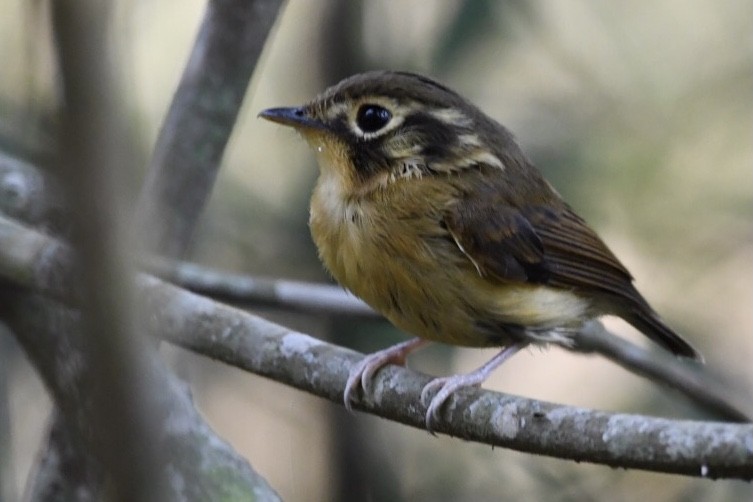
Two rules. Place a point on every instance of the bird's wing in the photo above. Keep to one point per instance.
(539, 245)
(555, 247)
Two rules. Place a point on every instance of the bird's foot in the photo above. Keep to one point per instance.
(362, 373)
(446, 386)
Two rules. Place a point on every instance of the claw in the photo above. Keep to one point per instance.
(362, 373)
(448, 385)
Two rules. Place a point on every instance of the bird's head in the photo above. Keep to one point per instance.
(379, 127)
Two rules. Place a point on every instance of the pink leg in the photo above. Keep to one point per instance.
(362, 373)
(448, 385)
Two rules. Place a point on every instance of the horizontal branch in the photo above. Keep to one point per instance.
(712, 449)
(245, 290)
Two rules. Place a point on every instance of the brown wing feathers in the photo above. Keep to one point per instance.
(536, 244)
(500, 242)
(580, 259)
(554, 247)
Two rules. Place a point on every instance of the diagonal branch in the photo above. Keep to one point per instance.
(689, 377)
(686, 376)
(620, 440)
(200, 120)
(713, 449)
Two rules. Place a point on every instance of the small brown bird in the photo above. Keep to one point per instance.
(428, 210)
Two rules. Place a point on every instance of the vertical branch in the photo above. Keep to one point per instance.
(113, 390)
(201, 117)
(119, 375)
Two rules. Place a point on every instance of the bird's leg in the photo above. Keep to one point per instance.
(363, 372)
(448, 385)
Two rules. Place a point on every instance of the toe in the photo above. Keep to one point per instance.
(352, 386)
(430, 388)
(362, 373)
(432, 412)
(445, 387)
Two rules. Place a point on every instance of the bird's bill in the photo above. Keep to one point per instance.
(295, 116)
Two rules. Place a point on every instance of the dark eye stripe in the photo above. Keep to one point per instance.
(438, 138)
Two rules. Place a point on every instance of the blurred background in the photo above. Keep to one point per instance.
(639, 113)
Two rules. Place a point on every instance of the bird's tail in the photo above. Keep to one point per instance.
(648, 322)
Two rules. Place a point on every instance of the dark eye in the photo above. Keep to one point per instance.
(371, 118)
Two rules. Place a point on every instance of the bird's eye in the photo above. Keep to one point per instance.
(371, 118)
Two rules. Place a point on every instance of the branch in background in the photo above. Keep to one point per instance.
(248, 291)
(256, 345)
(115, 369)
(63, 470)
(121, 403)
(26, 193)
(689, 377)
(31, 259)
(231, 29)
(201, 465)
(201, 117)
(7, 467)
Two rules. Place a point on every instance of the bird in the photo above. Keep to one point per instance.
(428, 210)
